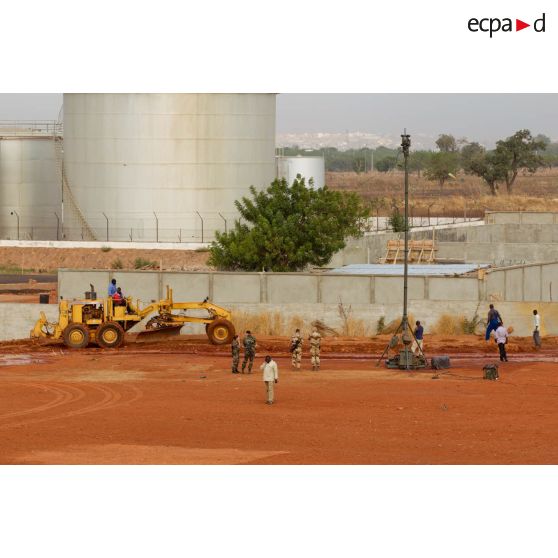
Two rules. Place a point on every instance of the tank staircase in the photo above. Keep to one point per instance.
(68, 198)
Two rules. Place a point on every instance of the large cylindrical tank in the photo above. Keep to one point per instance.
(308, 168)
(159, 166)
(30, 187)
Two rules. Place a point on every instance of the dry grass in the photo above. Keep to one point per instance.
(467, 195)
(454, 325)
(274, 323)
(268, 323)
(392, 326)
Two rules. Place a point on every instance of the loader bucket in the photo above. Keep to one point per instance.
(158, 334)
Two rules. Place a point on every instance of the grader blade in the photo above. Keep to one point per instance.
(158, 334)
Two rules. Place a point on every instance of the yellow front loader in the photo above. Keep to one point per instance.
(102, 321)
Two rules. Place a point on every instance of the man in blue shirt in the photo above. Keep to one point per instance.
(419, 334)
(493, 321)
(112, 287)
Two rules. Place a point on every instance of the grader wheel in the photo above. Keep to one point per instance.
(220, 332)
(110, 335)
(76, 336)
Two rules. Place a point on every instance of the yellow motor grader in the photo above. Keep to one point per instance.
(105, 322)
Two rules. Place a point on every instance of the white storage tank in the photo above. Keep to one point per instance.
(30, 186)
(308, 167)
(161, 166)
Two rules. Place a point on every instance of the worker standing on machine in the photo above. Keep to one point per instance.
(249, 343)
(112, 288)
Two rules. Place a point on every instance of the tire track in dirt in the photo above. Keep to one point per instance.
(62, 397)
(110, 398)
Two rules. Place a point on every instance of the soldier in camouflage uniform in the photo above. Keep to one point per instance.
(249, 343)
(315, 339)
(296, 349)
(235, 348)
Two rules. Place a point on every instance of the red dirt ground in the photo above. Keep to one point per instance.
(140, 405)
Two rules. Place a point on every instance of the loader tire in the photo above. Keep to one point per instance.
(76, 336)
(110, 335)
(220, 332)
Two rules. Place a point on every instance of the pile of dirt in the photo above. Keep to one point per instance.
(50, 259)
(353, 347)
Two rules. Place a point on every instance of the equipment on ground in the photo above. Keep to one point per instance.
(440, 362)
(490, 372)
(104, 322)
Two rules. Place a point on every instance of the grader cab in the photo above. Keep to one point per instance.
(104, 322)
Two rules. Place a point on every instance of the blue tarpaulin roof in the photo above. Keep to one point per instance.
(397, 269)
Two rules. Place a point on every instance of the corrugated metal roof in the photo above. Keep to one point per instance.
(397, 269)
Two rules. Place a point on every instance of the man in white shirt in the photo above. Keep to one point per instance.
(537, 329)
(501, 335)
(270, 377)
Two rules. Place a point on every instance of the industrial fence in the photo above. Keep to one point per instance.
(197, 227)
(192, 227)
(26, 128)
(382, 223)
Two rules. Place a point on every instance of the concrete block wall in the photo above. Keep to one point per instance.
(317, 296)
(518, 217)
(495, 243)
(17, 320)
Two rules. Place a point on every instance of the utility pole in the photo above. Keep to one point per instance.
(405, 360)
(405, 146)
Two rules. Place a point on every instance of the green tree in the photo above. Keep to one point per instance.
(418, 160)
(286, 228)
(441, 167)
(446, 143)
(397, 220)
(386, 164)
(470, 154)
(489, 167)
(518, 152)
(359, 163)
(543, 139)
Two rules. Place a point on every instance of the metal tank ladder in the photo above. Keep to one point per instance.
(67, 194)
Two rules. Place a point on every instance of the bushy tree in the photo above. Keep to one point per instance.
(518, 152)
(442, 166)
(418, 161)
(397, 220)
(386, 164)
(470, 154)
(446, 143)
(287, 227)
(488, 166)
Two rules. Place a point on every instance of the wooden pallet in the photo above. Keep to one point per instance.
(420, 251)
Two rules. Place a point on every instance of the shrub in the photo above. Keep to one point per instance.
(381, 325)
(140, 263)
(106, 248)
(117, 264)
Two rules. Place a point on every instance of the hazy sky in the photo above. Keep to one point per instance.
(481, 117)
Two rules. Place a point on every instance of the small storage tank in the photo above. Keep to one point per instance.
(308, 167)
(30, 185)
(164, 167)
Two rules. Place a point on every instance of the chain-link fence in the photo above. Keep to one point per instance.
(192, 228)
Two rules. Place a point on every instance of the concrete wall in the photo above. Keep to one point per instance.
(497, 243)
(533, 282)
(518, 217)
(517, 290)
(17, 320)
